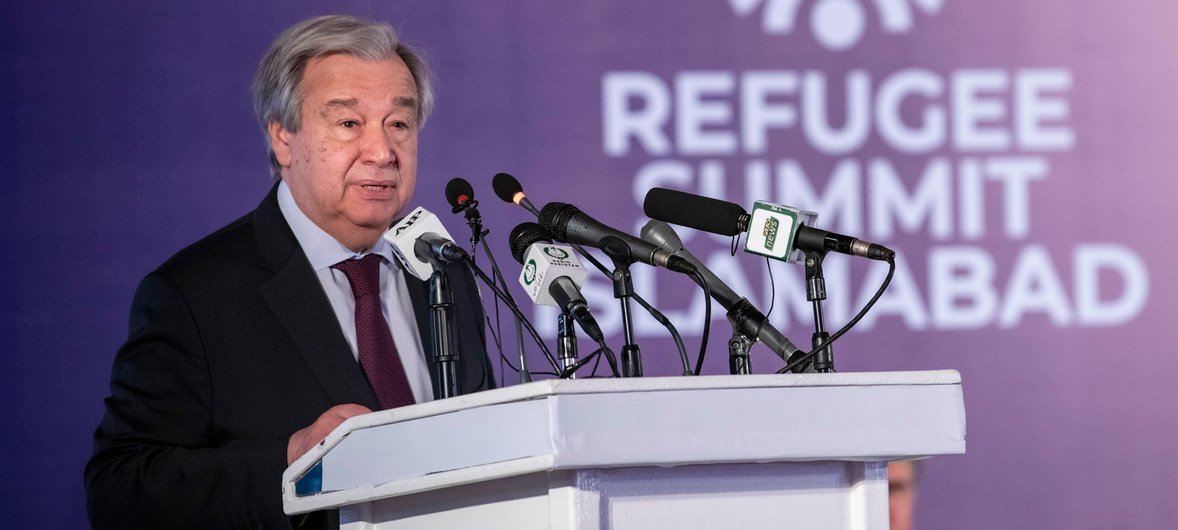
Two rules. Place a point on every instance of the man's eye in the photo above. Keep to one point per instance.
(350, 124)
(399, 125)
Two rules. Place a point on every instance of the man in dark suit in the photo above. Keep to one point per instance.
(248, 347)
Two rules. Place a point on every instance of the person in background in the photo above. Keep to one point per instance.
(902, 478)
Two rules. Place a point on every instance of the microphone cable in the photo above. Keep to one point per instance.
(800, 361)
(602, 348)
(509, 190)
(519, 314)
(703, 344)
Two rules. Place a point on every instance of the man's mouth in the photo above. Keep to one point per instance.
(377, 187)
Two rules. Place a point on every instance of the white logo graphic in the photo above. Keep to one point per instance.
(836, 24)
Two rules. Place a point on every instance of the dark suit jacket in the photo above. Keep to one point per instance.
(233, 347)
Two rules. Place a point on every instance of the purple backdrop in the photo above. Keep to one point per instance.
(1018, 155)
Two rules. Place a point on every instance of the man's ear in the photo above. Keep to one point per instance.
(280, 141)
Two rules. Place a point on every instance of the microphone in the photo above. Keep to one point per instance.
(571, 225)
(436, 249)
(460, 194)
(742, 314)
(552, 275)
(420, 242)
(767, 225)
(509, 189)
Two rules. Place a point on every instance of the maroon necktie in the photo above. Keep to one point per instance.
(378, 354)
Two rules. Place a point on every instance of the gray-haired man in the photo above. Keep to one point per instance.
(248, 347)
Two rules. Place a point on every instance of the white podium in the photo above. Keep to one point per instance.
(760, 451)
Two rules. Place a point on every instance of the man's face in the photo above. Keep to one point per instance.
(351, 167)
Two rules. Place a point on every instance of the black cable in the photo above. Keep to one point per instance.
(609, 357)
(801, 360)
(493, 327)
(593, 373)
(602, 348)
(477, 236)
(496, 332)
(703, 345)
(535, 336)
(662, 319)
(772, 288)
(572, 369)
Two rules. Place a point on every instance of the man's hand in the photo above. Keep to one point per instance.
(306, 438)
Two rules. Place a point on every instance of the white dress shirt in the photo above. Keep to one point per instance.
(323, 251)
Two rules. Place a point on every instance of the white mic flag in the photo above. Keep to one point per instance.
(543, 264)
(403, 236)
(772, 228)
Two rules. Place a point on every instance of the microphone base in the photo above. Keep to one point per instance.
(824, 358)
(738, 353)
(566, 342)
(445, 351)
(631, 361)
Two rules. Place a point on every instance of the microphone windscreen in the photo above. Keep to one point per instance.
(555, 216)
(506, 186)
(693, 211)
(458, 192)
(661, 235)
(523, 236)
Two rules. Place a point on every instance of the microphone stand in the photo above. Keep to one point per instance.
(619, 252)
(470, 210)
(654, 312)
(441, 323)
(816, 293)
(738, 352)
(746, 323)
(566, 342)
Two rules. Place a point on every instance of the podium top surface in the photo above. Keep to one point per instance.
(654, 421)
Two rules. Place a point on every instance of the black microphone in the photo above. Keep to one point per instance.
(549, 272)
(432, 247)
(741, 312)
(460, 194)
(725, 218)
(695, 211)
(509, 189)
(569, 224)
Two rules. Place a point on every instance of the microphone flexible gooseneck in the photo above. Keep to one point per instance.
(744, 317)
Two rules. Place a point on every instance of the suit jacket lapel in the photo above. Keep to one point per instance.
(297, 299)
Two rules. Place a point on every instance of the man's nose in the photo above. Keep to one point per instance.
(379, 147)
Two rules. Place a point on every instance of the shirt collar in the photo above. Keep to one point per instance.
(321, 249)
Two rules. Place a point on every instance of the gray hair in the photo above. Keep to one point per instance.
(277, 88)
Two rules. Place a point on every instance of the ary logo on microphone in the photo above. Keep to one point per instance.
(837, 25)
(770, 232)
(530, 272)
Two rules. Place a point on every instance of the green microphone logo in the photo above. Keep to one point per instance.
(530, 272)
(556, 252)
(770, 232)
